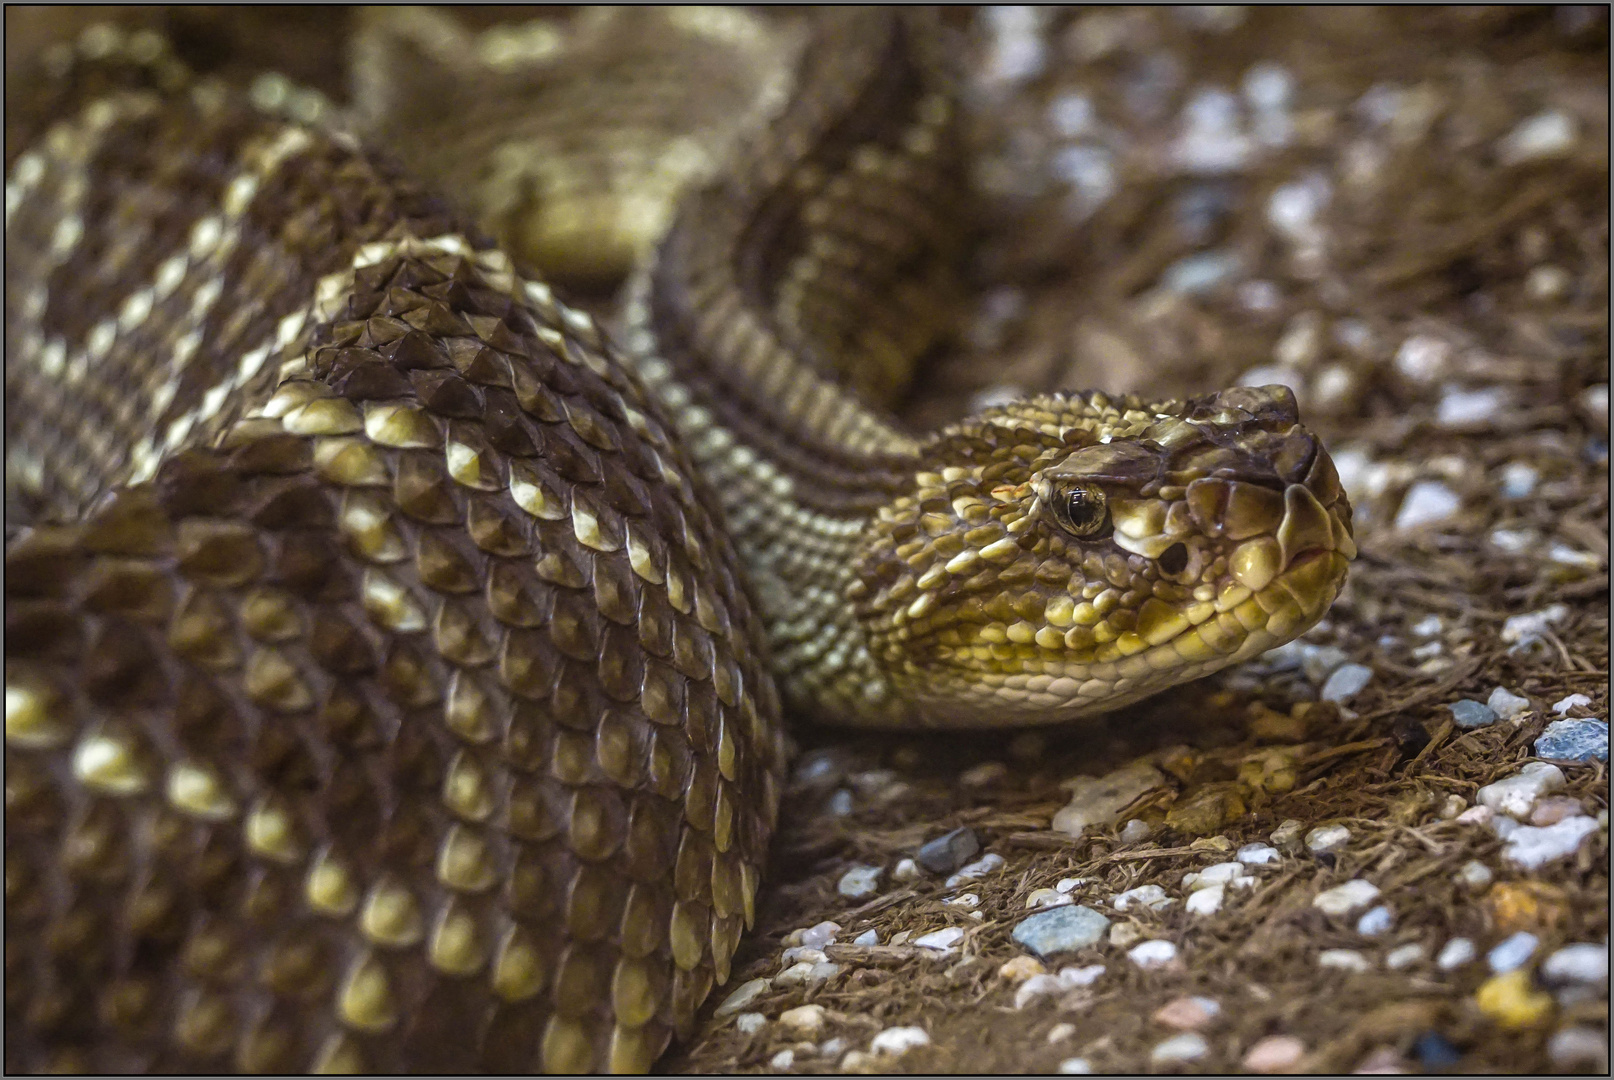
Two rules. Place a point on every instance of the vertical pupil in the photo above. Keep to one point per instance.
(1081, 507)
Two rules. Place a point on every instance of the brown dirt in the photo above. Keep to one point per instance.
(1425, 230)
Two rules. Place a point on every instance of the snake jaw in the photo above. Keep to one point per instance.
(1227, 533)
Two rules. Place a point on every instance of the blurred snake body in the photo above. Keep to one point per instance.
(395, 666)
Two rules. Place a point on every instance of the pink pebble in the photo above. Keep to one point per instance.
(1553, 809)
(1385, 1061)
(1187, 1013)
(1476, 815)
(1275, 1054)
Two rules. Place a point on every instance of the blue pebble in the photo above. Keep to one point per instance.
(1063, 929)
(1574, 740)
(1434, 1052)
(1468, 714)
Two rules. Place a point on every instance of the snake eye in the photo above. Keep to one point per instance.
(1083, 510)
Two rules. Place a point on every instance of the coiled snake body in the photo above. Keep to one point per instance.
(388, 678)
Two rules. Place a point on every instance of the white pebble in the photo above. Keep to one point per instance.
(783, 1060)
(1206, 901)
(1429, 626)
(816, 937)
(860, 881)
(797, 953)
(840, 803)
(967, 900)
(1041, 898)
(1513, 952)
(743, 995)
(1581, 962)
(1075, 1067)
(1038, 986)
(1217, 874)
(794, 975)
(1426, 502)
(1211, 141)
(1152, 897)
(1096, 800)
(1506, 704)
(907, 870)
(1189, 1046)
(749, 1023)
(1403, 956)
(1519, 480)
(831, 1047)
(1268, 86)
(806, 1020)
(1135, 830)
(979, 868)
(1455, 953)
(1423, 359)
(1065, 885)
(1568, 556)
(1546, 134)
(899, 1040)
(1531, 847)
(1517, 794)
(1533, 623)
(942, 939)
(1375, 921)
(1474, 875)
(1579, 1048)
(1344, 899)
(1257, 854)
(1293, 209)
(1081, 976)
(1452, 807)
(867, 938)
(1071, 115)
(1326, 838)
(1468, 408)
(1343, 959)
(1152, 954)
(1475, 815)
(1563, 705)
(1060, 1032)
(1513, 541)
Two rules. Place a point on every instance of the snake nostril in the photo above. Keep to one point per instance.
(1174, 560)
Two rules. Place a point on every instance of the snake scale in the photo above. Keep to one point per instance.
(395, 667)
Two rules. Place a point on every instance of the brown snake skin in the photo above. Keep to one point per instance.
(393, 667)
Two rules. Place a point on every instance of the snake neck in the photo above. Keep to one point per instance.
(783, 298)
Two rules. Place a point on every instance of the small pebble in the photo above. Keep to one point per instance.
(832, 1047)
(967, 900)
(1533, 623)
(942, 940)
(1516, 794)
(1189, 1046)
(1135, 830)
(1462, 408)
(906, 870)
(1343, 960)
(1455, 953)
(1152, 897)
(1426, 502)
(840, 803)
(1326, 838)
(1346, 682)
(867, 938)
(1519, 480)
(1474, 875)
(1187, 1013)
(1385, 1061)
(798, 953)
(804, 1020)
(860, 881)
(1060, 1032)
(1581, 962)
(1423, 359)
(984, 775)
(1081, 976)
(1151, 955)
(1124, 935)
(1563, 706)
(1580, 1048)
(949, 851)
(1506, 704)
(816, 937)
(1530, 847)
(1047, 898)
(1095, 801)
(1038, 986)
(1475, 815)
(1452, 807)
(901, 937)
(1376, 921)
(1061, 929)
(1574, 740)
(1511, 1001)
(1069, 884)
(1403, 956)
(1275, 1054)
(1547, 134)
(783, 1060)
(1344, 899)
(1513, 953)
(1075, 1067)
(1434, 1052)
(743, 995)
(1021, 968)
(1206, 901)
(1553, 809)
(1468, 714)
(749, 1023)
(899, 1040)
(1217, 874)
(1257, 854)
(1429, 626)
(1287, 835)
(986, 864)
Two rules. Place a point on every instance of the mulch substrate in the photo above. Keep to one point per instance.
(1403, 214)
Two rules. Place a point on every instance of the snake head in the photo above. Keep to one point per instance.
(1066, 555)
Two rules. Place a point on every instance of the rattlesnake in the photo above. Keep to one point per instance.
(395, 666)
